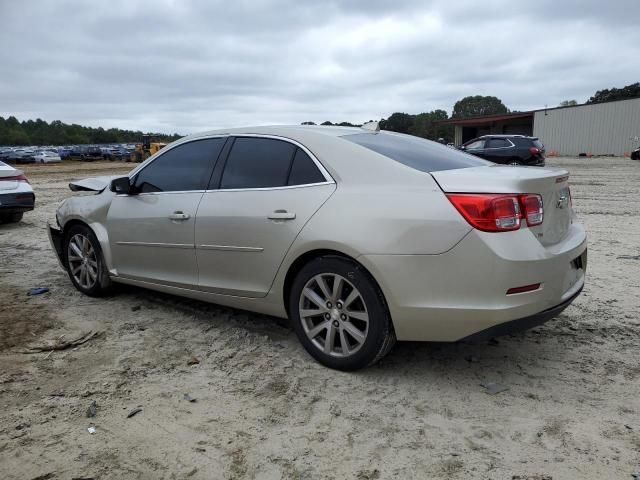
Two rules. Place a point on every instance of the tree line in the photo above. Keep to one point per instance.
(39, 132)
(426, 124)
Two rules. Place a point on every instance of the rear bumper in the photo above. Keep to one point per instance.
(463, 292)
(55, 239)
(17, 202)
(522, 324)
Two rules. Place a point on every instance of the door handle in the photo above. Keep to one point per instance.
(281, 215)
(178, 215)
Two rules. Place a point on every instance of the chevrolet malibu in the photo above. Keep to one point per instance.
(360, 237)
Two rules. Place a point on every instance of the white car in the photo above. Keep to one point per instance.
(44, 156)
(16, 194)
(358, 236)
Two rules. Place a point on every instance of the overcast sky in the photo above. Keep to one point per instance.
(186, 66)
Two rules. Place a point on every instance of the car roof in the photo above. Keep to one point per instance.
(286, 131)
(506, 135)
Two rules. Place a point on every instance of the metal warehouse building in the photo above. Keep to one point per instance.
(610, 128)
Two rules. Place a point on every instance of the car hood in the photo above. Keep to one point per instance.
(92, 184)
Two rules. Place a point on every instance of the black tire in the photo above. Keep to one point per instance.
(11, 217)
(380, 336)
(102, 285)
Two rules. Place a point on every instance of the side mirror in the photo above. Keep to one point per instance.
(121, 186)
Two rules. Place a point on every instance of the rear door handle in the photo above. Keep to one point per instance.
(281, 215)
(179, 216)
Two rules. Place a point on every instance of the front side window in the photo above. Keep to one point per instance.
(258, 163)
(477, 145)
(186, 167)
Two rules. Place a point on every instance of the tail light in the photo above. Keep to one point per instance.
(17, 178)
(532, 207)
(534, 150)
(497, 212)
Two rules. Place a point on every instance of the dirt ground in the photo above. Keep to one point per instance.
(264, 409)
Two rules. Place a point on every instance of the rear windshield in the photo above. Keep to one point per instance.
(416, 152)
(538, 144)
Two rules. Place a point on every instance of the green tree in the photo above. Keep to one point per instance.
(568, 103)
(398, 122)
(606, 95)
(478, 105)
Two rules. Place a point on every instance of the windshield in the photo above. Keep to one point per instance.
(416, 152)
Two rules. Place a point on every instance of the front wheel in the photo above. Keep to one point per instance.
(85, 263)
(340, 315)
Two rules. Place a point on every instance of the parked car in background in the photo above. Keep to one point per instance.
(507, 149)
(359, 236)
(22, 155)
(45, 156)
(64, 153)
(16, 194)
(635, 155)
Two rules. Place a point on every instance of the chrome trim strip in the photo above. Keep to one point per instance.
(151, 244)
(230, 248)
(286, 187)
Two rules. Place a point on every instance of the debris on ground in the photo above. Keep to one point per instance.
(37, 291)
(189, 398)
(91, 430)
(493, 388)
(63, 345)
(134, 412)
(92, 410)
(193, 361)
(471, 359)
(135, 308)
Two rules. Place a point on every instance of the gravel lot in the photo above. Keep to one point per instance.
(264, 409)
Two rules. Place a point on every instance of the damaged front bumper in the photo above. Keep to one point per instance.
(55, 238)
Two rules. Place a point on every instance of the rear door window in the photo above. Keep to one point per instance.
(416, 152)
(498, 143)
(258, 163)
(304, 171)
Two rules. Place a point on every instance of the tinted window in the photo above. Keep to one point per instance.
(182, 168)
(257, 163)
(415, 152)
(303, 170)
(477, 145)
(498, 143)
(538, 144)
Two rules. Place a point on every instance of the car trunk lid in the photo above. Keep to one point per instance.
(551, 184)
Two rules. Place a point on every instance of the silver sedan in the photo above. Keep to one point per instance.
(360, 237)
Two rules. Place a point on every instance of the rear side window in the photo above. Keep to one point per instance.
(416, 152)
(303, 170)
(182, 168)
(258, 163)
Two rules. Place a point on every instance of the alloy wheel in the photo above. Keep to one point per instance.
(83, 261)
(334, 315)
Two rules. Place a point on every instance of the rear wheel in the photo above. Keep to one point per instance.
(340, 315)
(85, 263)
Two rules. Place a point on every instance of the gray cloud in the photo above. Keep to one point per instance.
(171, 65)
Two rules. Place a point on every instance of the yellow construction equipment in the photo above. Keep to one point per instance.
(145, 149)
